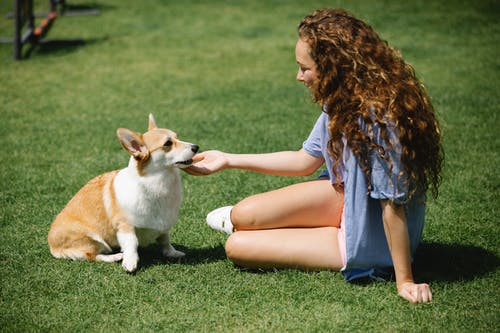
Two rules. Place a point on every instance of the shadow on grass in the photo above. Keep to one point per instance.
(433, 261)
(152, 256)
(60, 46)
(437, 262)
(85, 9)
(452, 262)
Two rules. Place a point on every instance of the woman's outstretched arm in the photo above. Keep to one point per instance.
(285, 163)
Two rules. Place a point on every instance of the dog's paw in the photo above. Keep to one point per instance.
(171, 252)
(130, 262)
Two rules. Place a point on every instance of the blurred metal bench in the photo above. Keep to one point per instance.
(25, 31)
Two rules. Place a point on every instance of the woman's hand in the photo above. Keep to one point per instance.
(208, 162)
(415, 293)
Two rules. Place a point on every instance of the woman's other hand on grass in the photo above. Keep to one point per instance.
(415, 293)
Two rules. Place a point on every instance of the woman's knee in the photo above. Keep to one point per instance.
(235, 247)
(243, 214)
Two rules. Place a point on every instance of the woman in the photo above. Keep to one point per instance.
(380, 141)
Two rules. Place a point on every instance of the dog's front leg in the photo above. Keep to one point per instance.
(128, 242)
(168, 250)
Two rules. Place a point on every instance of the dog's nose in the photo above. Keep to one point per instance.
(194, 148)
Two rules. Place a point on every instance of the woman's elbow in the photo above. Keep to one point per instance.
(309, 171)
(309, 163)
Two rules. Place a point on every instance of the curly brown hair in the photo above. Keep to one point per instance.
(361, 79)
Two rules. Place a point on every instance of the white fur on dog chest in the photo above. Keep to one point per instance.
(158, 203)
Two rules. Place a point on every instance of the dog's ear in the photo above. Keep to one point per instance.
(133, 143)
(152, 122)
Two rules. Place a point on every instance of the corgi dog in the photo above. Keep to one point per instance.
(127, 208)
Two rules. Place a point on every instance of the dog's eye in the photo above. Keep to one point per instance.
(168, 143)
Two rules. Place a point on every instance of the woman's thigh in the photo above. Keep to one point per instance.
(303, 248)
(309, 204)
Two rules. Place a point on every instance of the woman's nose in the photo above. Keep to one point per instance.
(300, 77)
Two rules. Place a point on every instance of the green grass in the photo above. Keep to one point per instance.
(222, 74)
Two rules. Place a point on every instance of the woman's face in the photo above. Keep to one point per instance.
(307, 67)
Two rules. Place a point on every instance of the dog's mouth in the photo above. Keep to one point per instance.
(185, 163)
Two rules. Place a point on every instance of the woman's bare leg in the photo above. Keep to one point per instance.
(309, 204)
(302, 248)
(296, 226)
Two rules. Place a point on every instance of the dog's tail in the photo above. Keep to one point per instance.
(85, 250)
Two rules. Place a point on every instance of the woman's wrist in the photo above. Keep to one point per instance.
(230, 161)
(401, 282)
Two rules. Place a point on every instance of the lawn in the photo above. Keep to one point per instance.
(221, 74)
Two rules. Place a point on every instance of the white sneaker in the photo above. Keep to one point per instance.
(220, 220)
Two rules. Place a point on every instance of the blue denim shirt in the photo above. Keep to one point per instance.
(367, 252)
